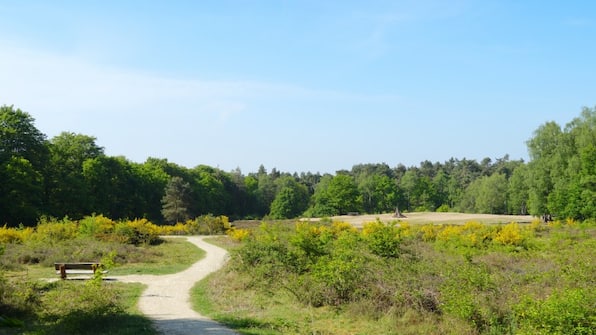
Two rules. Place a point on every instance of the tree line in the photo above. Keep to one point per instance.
(70, 175)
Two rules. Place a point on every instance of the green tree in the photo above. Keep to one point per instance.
(343, 195)
(176, 200)
(573, 180)
(546, 162)
(379, 193)
(23, 161)
(492, 198)
(210, 196)
(114, 187)
(517, 195)
(152, 182)
(321, 200)
(562, 168)
(291, 199)
(419, 190)
(68, 192)
(21, 198)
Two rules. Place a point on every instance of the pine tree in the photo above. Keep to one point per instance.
(176, 200)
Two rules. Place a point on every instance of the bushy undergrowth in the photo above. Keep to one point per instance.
(99, 227)
(442, 279)
(70, 308)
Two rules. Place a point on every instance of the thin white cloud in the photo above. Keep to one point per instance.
(63, 84)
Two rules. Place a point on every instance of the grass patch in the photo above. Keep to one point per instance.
(77, 307)
(171, 256)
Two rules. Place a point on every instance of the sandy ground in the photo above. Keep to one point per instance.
(432, 217)
(166, 301)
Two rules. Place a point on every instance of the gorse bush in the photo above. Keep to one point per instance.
(382, 239)
(238, 235)
(51, 230)
(15, 235)
(97, 226)
(138, 231)
(510, 234)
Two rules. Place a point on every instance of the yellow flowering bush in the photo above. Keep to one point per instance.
(338, 226)
(14, 235)
(139, 231)
(429, 232)
(238, 235)
(509, 234)
(51, 230)
(97, 226)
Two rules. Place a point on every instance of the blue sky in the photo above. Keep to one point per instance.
(299, 85)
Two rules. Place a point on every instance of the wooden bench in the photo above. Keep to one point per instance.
(88, 268)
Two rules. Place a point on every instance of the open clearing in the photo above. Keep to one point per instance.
(431, 217)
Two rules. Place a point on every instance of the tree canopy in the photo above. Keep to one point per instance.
(70, 175)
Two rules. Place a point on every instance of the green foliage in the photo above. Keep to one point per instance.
(71, 176)
(563, 167)
(443, 279)
(565, 311)
(69, 191)
(52, 230)
(137, 232)
(382, 239)
(336, 195)
(291, 199)
(23, 158)
(97, 226)
(208, 225)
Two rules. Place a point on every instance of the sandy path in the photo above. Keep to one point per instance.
(166, 300)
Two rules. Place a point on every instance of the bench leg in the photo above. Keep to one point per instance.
(62, 271)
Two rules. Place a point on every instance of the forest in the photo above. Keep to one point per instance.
(69, 175)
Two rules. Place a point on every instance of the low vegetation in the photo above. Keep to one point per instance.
(396, 278)
(30, 304)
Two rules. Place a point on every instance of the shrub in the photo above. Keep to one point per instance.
(510, 234)
(339, 276)
(568, 311)
(311, 239)
(15, 235)
(177, 229)
(238, 235)
(429, 232)
(443, 209)
(208, 225)
(51, 230)
(382, 239)
(338, 227)
(139, 231)
(96, 226)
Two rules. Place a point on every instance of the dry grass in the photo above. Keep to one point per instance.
(431, 217)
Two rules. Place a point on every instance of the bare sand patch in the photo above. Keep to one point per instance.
(431, 217)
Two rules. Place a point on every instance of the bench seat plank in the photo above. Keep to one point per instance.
(86, 268)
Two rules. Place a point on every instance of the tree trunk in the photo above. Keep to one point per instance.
(398, 214)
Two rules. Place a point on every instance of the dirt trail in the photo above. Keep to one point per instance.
(166, 300)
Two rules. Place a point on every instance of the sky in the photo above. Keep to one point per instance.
(299, 86)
